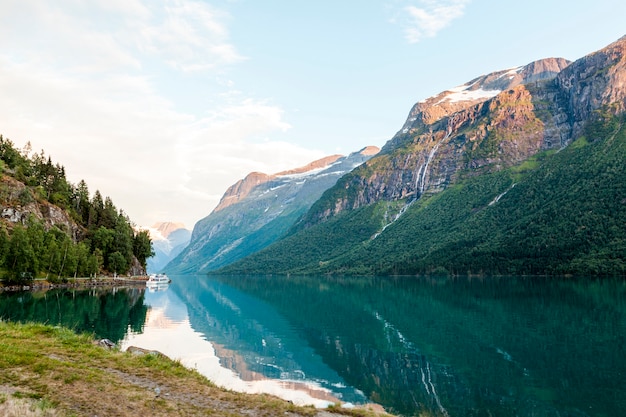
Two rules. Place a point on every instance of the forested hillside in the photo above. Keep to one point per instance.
(556, 213)
(51, 228)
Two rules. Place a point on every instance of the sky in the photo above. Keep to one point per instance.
(163, 104)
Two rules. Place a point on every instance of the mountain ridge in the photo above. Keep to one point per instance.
(486, 133)
(493, 144)
(258, 210)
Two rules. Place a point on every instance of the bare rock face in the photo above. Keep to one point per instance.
(476, 91)
(490, 123)
(18, 204)
(241, 189)
(596, 81)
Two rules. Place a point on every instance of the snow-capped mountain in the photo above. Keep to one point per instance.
(259, 209)
(168, 240)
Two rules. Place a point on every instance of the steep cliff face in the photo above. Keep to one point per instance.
(492, 122)
(594, 82)
(17, 204)
(257, 210)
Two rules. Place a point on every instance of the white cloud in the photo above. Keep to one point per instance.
(189, 35)
(427, 18)
(90, 82)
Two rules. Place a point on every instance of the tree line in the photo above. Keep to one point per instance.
(103, 239)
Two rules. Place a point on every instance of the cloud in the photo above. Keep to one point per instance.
(104, 87)
(189, 36)
(428, 18)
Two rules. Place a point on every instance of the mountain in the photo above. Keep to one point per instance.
(168, 240)
(258, 210)
(517, 171)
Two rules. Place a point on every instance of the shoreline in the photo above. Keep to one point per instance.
(101, 281)
(63, 373)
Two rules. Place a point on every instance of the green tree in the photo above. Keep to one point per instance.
(20, 261)
(123, 242)
(52, 262)
(118, 263)
(97, 207)
(36, 236)
(81, 202)
(82, 260)
(103, 239)
(4, 244)
(8, 153)
(142, 247)
(97, 261)
(108, 215)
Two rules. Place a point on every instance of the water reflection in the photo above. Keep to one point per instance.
(451, 347)
(464, 347)
(107, 312)
(252, 349)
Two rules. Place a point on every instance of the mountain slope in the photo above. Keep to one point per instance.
(168, 240)
(257, 210)
(409, 208)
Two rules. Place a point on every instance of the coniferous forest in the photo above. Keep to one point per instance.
(53, 229)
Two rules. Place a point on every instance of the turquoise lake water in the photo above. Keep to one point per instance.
(416, 346)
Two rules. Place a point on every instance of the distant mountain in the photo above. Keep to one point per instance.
(168, 240)
(258, 210)
(517, 171)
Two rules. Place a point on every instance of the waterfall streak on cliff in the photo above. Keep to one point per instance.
(434, 393)
(495, 200)
(431, 154)
(419, 183)
(424, 381)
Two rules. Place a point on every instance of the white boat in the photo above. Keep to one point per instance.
(157, 280)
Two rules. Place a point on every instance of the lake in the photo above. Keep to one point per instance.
(417, 346)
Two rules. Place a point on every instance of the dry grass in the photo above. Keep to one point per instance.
(49, 371)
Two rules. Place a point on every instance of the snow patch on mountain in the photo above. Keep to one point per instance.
(463, 93)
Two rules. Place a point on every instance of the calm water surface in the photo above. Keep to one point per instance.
(446, 347)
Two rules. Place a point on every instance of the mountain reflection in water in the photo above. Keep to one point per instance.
(252, 349)
(499, 346)
(447, 347)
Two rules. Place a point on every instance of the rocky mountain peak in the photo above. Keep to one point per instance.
(479, 90)
(595, 81)
(369, 151)
(485, 125)
(242, 188)
(166, 228)
(259, 209)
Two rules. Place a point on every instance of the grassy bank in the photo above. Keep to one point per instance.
(50, 371)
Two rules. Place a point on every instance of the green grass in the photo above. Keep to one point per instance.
(61, 373)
